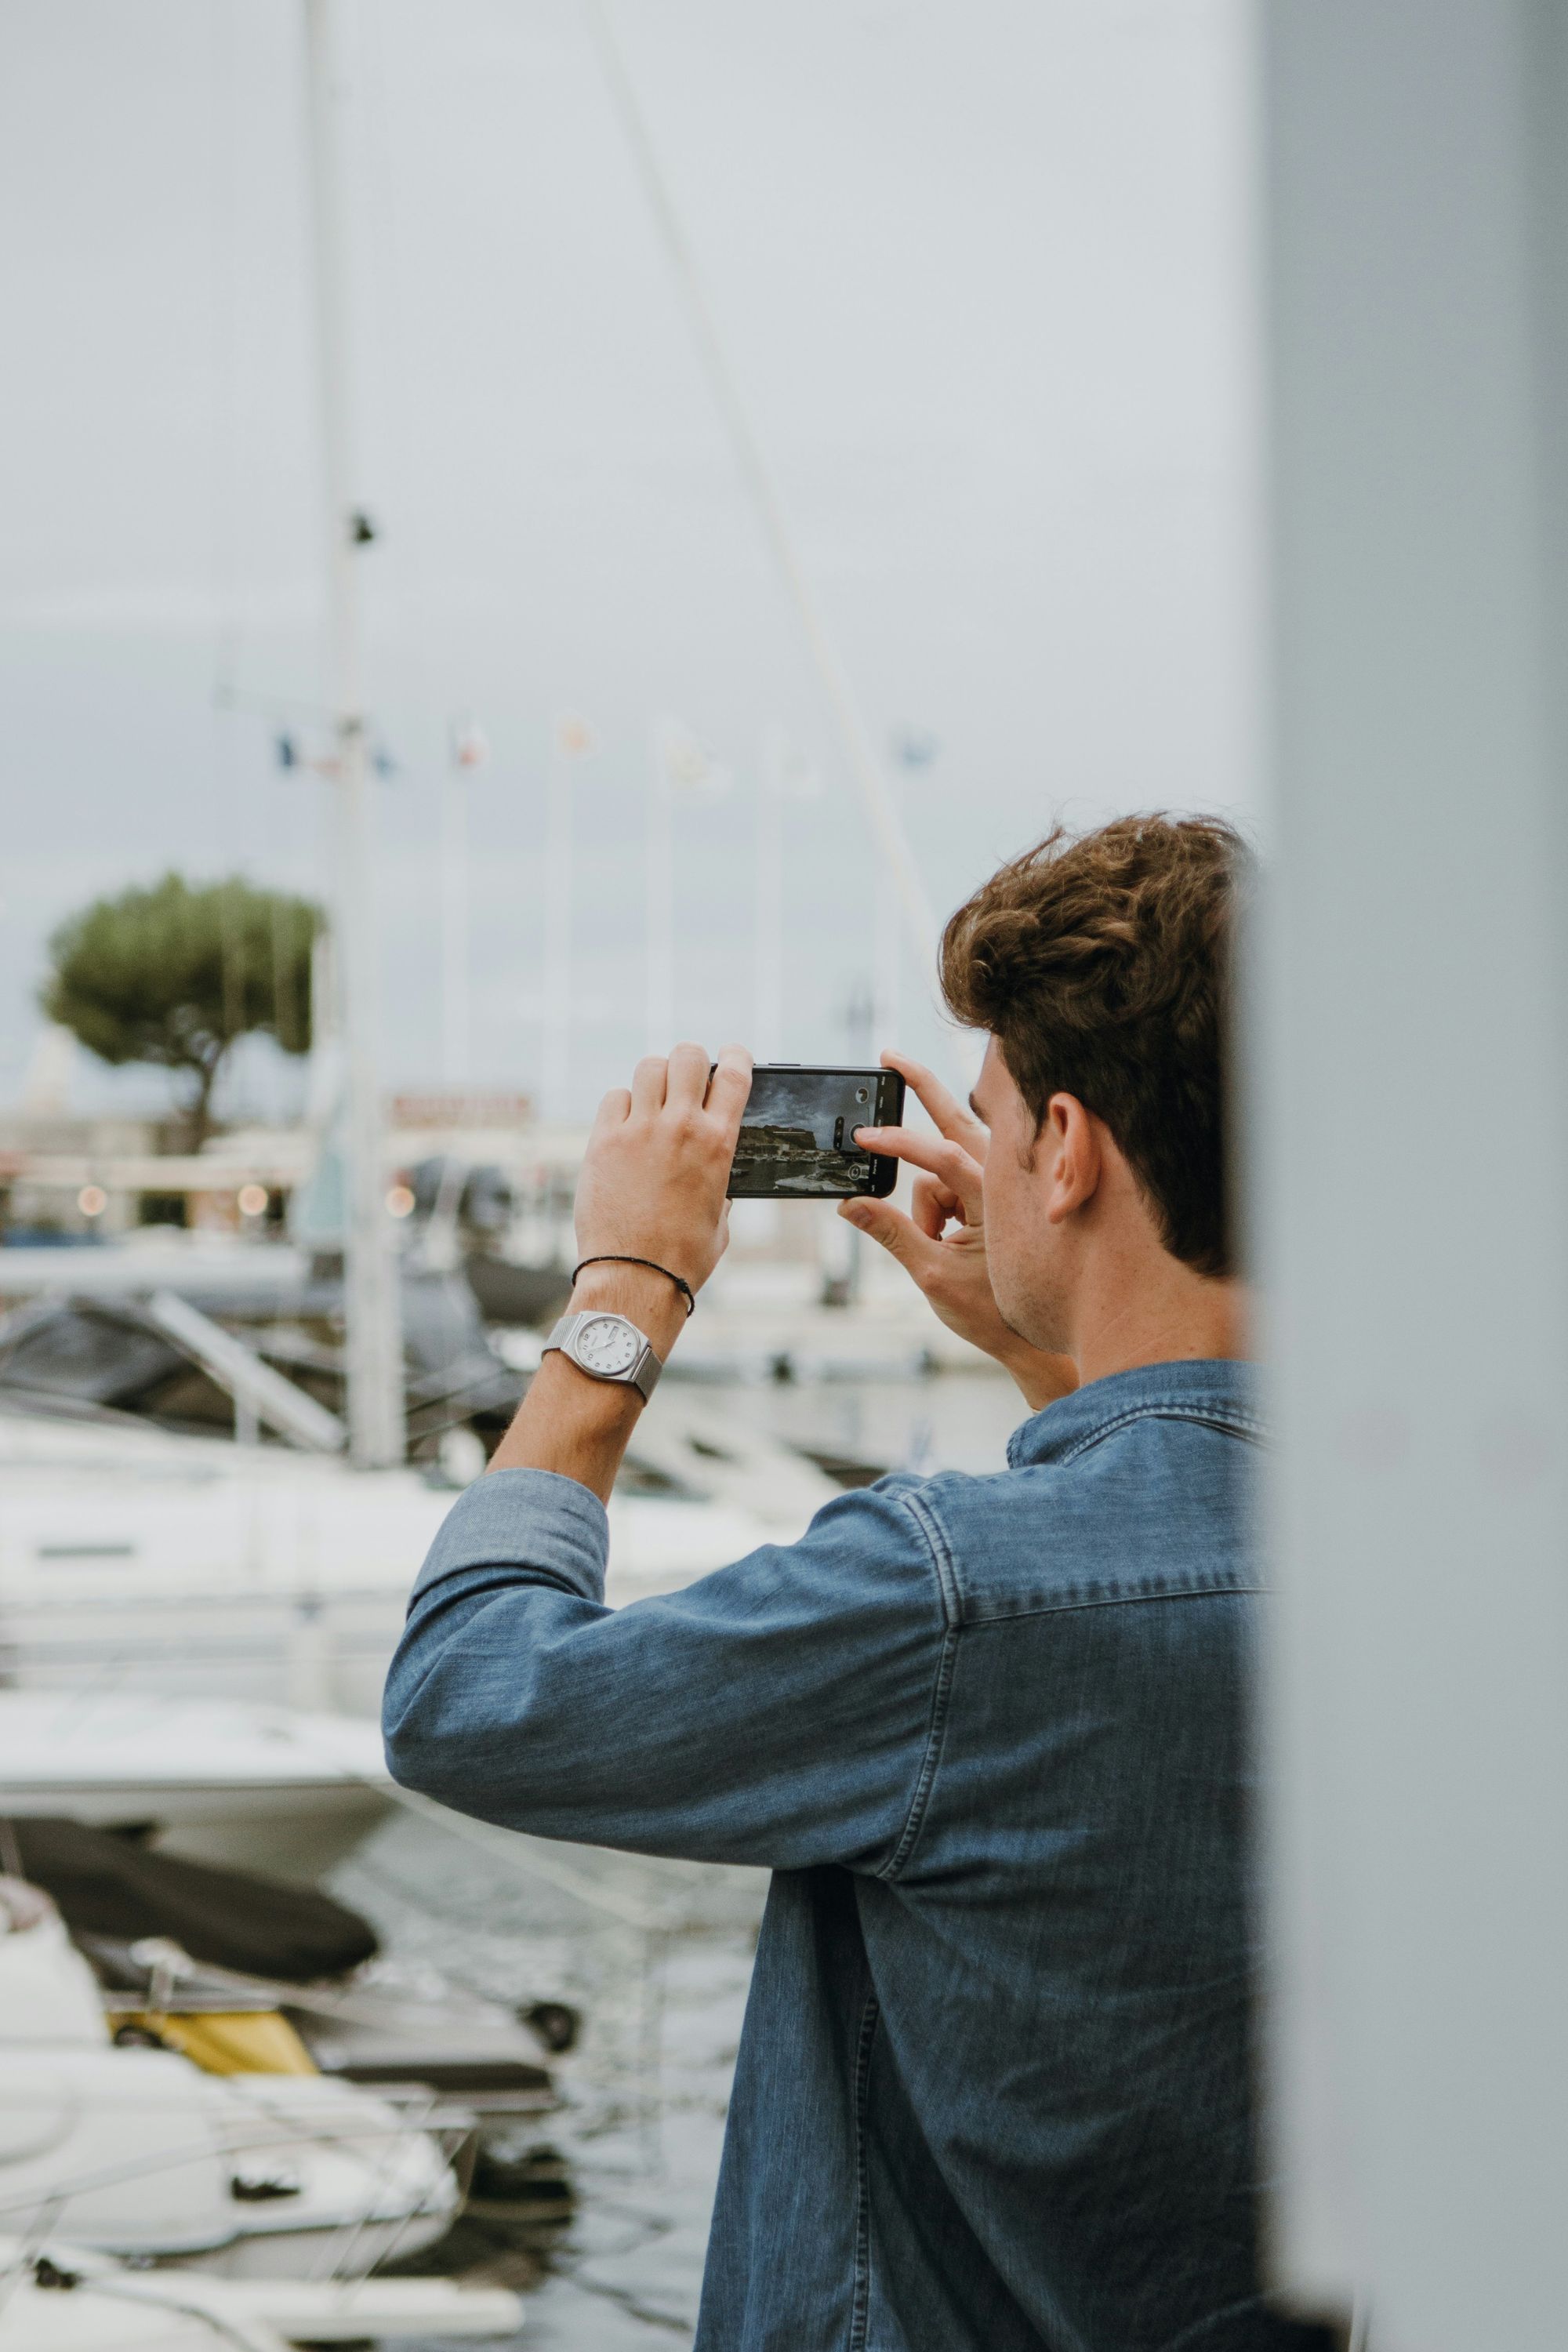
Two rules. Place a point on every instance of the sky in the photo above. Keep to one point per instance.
(981, 269)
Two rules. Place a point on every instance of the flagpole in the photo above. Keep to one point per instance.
(558, 888)
(887, 948)
(660, 917)
(767, 946)
(373, 1321)
(454, 917)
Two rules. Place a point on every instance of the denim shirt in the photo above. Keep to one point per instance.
(990, 1735)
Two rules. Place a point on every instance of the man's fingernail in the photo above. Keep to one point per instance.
(854, 1214)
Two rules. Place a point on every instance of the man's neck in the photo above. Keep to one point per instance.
(1157, 1312)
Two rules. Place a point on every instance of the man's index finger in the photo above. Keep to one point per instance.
(730, 1084)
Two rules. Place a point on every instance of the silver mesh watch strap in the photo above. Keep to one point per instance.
(642, 1374)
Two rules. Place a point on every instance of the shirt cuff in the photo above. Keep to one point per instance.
(523, 1520)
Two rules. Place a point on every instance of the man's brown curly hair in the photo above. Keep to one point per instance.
(1102, 966)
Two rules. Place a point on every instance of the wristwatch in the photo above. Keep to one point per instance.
(607, 1348)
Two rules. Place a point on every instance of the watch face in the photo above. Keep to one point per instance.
(607, 1344)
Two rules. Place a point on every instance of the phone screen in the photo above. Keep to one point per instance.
(796, 1137)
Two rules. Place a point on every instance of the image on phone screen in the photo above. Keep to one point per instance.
(796, 1137)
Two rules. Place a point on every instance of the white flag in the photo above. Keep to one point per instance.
(689, 768)
(471, 746)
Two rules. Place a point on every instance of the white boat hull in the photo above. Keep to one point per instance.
(110, 2308)
(132, 1559)
(261, 1788)
(136, 2153)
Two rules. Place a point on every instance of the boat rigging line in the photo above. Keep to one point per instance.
(882, 810)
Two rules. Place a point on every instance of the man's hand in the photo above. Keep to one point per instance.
(657, 1168)
(949, 1266)
(653, 1186)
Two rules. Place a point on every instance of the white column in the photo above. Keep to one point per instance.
(373, 1339)
(1411, 1069)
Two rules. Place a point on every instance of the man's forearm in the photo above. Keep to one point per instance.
(573, 1424)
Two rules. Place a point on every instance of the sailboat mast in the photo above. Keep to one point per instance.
(373, 1339)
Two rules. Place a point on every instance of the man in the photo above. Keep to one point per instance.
(989, 1733)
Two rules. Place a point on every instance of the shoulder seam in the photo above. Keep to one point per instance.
(1230, 1423)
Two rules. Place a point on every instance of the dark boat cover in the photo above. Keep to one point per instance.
(108, 1885)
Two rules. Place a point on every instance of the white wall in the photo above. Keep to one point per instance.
(1411, 1070)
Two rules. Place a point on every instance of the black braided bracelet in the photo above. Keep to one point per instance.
(610, 1258)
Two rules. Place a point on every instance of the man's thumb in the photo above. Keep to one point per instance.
(897, 1234)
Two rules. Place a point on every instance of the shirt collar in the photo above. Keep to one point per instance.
(1209, 1387)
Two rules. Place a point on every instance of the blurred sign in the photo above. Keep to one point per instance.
(462, 1109)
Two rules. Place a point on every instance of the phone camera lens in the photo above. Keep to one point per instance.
(862, 1094)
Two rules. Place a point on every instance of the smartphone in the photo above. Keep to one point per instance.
(797, 1135)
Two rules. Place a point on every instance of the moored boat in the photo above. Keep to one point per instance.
(138, 2152)
(135, 1559)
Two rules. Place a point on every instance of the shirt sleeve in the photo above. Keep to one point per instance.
(777, 1712)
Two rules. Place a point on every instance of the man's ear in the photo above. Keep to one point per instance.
(1068, 1156)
